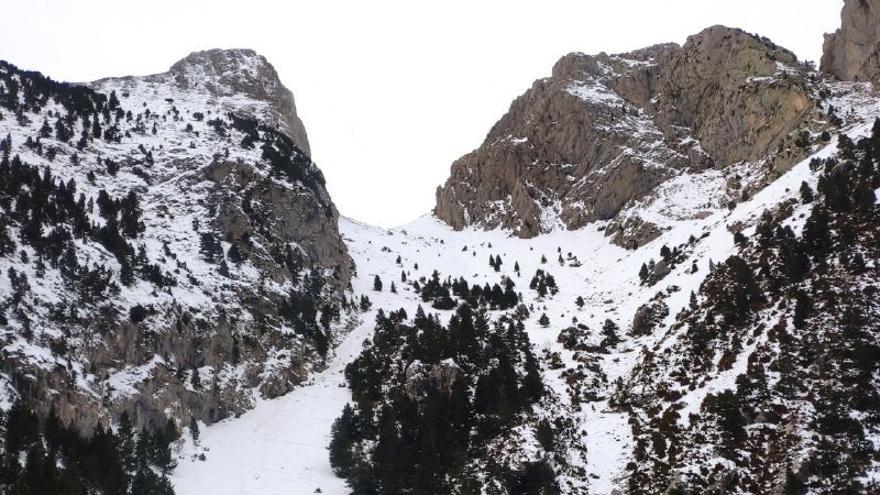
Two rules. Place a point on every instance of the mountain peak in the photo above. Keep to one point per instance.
(605, 130)
(239, 77)
(242, 71)
(227, 70)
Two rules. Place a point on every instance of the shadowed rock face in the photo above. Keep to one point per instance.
(604, 130)
(853, 52)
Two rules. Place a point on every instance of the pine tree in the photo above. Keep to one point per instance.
(542, 288)
(806, 193)
(195, 380)
(113, 102)
(793, 483)
(61, 131)
(342, 436)
(377, 284)
(802, 308)
(817, 235)
(126, 442)
(579, 302)
(544, 321)
(46, 129)
(194, 429)
(609, 331)
(223, 269)
(731, 422)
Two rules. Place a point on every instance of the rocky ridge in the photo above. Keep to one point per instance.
(605, 130)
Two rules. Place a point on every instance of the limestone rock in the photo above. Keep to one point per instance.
(605, 130)
(852, 53)
(422, 378)
(648, 316)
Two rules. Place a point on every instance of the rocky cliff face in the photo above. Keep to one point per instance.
(169, 247)
(605, 130)
(853, 52)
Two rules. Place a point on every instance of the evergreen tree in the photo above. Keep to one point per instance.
(46, 129)
(377, 284)
(726, 407)
(194, 429)
(113, 101)
(793, 483)
(609, 332)
(342, 435)
(195, 380)
(802, 308)
(544, 321)
(806, 193)
(817, 235)
(61, 131)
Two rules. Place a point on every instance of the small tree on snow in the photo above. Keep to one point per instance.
(544, 321)
(377, 284)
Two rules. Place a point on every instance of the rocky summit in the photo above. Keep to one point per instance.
(605, 130)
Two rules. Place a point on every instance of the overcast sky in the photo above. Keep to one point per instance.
(390, 92)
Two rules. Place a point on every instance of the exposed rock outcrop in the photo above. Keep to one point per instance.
(422, 378)
(607, 129)
(852, 53)
(648, 316)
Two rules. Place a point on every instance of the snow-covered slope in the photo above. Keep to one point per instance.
(281, 444)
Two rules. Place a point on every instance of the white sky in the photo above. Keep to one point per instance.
(390, 92)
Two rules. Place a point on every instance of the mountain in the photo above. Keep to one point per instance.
(657, 275)
(170, 253)
(689, 235)
(605, 130)
(714, 334)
